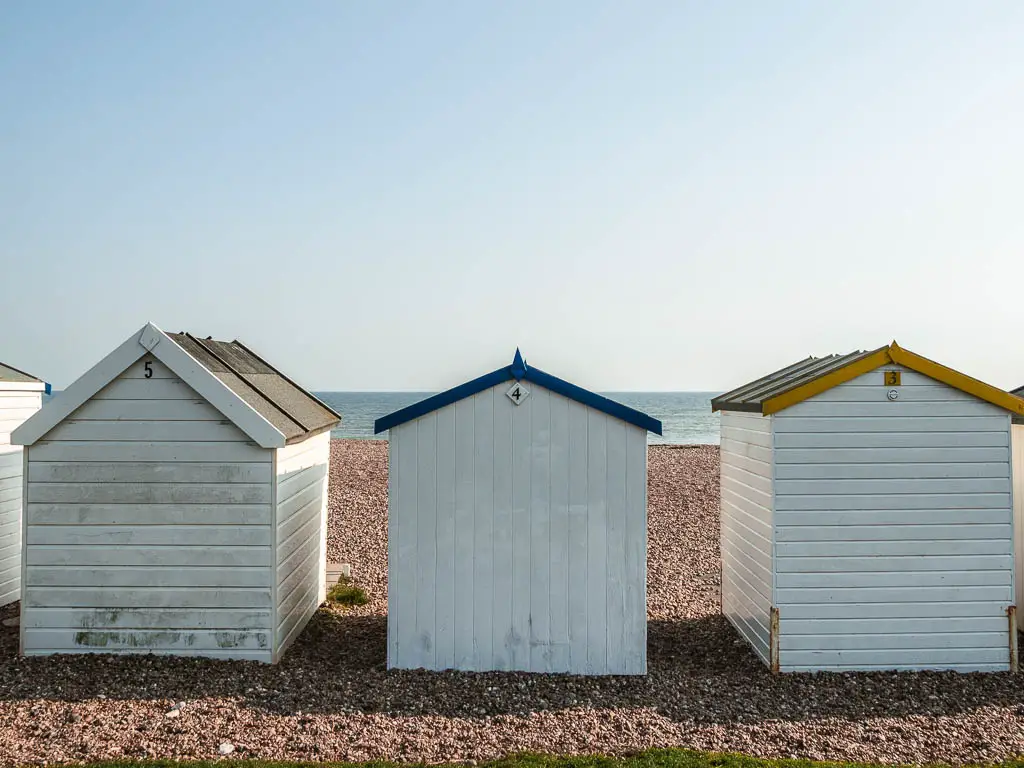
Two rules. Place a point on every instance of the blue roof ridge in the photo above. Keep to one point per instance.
(518, 371)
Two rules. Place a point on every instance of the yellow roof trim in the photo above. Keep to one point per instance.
(955, 379)
(897, 355)
(826, 382)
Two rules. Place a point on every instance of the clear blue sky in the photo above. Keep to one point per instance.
(393, 195)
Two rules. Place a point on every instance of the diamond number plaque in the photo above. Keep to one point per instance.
(517, 393)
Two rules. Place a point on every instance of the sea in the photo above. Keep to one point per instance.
(686, 417)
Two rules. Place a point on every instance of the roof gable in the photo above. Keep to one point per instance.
(14, 379)
(519, 371)
(292, 410)
(230, 401)
(812, 376)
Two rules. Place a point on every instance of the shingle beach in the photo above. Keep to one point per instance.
(331, 698)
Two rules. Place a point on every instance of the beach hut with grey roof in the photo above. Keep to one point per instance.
(176, 502)
(517, 528)
(21, 395)
(866, 515)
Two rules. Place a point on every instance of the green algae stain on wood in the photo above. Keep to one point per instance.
(143, 639)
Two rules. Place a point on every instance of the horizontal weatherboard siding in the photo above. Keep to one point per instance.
(165, 639)
(302, 472)
(15, 407)
(149, 472)
(893, 529)
(746, 526)
(198, 555)
(148, 514)
(149, 528)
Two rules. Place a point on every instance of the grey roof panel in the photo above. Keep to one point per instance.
(291, 409)
(13, 375)
(751, 397)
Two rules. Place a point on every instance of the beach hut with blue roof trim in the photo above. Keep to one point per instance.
(517, 528)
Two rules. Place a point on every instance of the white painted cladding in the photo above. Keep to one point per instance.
(151, 526)
(1017, 453)
(301, 476)
(893, 529)
(517, 538)
(746, 535)
(15, 407)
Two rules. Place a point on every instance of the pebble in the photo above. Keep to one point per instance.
(704, 689)
(226, 748)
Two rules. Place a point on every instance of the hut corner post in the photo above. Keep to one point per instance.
(773, 640)
(1011, 615)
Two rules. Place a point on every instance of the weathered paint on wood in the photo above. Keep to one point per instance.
(157, 353)
(149, 514)
(197, 555)
(135, 618)
(517, 538)
(149, 507)
(148, 451)
(150, 640)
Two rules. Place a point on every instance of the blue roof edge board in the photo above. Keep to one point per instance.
(519, 371)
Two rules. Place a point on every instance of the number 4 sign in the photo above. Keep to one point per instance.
(517, 393)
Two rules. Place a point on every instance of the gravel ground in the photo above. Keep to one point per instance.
(332, 699)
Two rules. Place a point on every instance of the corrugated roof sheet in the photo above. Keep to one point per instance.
(7, 373)
(278, 399)
(751, 397)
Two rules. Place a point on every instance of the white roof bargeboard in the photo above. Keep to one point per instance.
(151, 340)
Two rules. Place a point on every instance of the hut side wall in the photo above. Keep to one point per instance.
(517, 538)
(15, 407)
(893, 526)
(1017, 442)
(301, 534)
(746, 536)
(148, 527)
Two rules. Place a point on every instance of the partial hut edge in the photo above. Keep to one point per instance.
(1011, 615)
(773, 640)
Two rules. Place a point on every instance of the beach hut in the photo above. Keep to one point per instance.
(517, 528)
(176, 502)
(867, 517)
(21, 395)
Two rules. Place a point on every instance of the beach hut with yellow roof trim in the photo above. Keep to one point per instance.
(867, 515)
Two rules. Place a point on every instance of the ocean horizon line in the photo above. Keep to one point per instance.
(434, 391)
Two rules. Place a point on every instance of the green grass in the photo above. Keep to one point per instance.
(347, 593)
(655, 758)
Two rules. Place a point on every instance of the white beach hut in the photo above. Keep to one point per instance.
(517, 528)
(176, 502)
(21, 395)
(867, 516)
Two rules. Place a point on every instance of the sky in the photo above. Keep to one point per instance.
(395, 195)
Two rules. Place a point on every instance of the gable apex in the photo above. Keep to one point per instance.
(812, 376)
(518, 371)
(150, 339)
